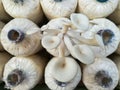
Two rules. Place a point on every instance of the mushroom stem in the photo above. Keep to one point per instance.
(15, 77)
(103, 79)
(15, 35)
(77, 36)
(61, 50)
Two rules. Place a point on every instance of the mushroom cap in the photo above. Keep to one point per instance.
(50, 80)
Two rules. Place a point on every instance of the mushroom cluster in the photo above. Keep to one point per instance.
(60, 43)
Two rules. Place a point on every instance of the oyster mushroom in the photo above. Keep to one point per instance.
(24, 72)
(58, 8)
(1, 27)
(109, 33)
(53, 34)
(81, 52)
(58, 74)
(101, 75)
(56, 29)
(97, 8)
(3, 15)
(30, 9)
(4, 58)
(19, 37)
(115, 15)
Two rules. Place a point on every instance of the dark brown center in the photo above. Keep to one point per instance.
(107, 36)
(15, 35)
(103, 79)
(15, 77)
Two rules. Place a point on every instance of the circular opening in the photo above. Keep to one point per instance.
(15, 35)
(58, 0)
(15, 78)
(107, 36)
(18, 1)
(61, 84)
(102, 1)
(103, 79)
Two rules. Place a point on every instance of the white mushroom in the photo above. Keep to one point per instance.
(53, 34)
(101, 75)
(81, 52)
(80, 21)
(58, 8)
(19, 37)
(50, 42)
(24, 72)
(30, 9)
(97, 8)
(58, 74)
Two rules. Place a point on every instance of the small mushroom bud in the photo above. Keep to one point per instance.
(58, 8)
(97, 8)
(58, 74)
(24, 72)
(101, 75)
(30, 9)
(19, 36)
